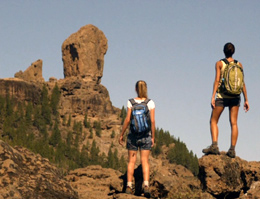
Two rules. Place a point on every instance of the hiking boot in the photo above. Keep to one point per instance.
(212, 149)
(129, 190)
(147, 193)
(231, 153)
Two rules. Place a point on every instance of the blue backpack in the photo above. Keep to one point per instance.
(140, 122)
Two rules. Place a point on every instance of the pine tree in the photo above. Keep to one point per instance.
(122, 165)
(113, 134)
(110, 159)
(69, 121)
(94, 151)
(90, 133)
(86, 122)
(28, 113)
(123, 114)
(55, 99)
(97, 126)
(45, 111)
(55, 138)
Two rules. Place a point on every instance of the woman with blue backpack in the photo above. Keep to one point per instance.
(141, 118)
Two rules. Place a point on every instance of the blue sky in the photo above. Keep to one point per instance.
(172, 45)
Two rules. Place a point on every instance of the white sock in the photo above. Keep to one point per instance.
(146, 183)
(129, 184)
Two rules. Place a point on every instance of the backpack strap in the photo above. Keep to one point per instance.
(132, 101)
(225, 60)
(147, 100)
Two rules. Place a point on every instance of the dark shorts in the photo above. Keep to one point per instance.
(228, 102)
(143, 142)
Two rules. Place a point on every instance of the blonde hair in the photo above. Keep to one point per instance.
(141, 89)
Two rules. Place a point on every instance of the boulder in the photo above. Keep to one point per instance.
(225, 177)
(95, 182)
(253, 192)
(26, 175)
(83, 54)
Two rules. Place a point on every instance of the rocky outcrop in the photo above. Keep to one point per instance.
(83, 54)
(224, 177)
(80, 97)
(81, 92)
(167, 181)
(20, 90)
(95, 182)
(26, 175)
(33, 73)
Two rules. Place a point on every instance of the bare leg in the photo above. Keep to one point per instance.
(131, 165)
(215, 115)
(145, 164)
(233, 115)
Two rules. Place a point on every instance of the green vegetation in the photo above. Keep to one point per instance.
(38, 128)
(177, 152)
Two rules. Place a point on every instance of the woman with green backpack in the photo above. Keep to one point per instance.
(228, 84)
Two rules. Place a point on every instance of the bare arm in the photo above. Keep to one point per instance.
(216, 82)
(246, 103)
(152, 114)
(125, 125)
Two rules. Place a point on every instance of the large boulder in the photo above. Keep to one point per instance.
(83, 54)
(95, 182)
(26, 175)
(225, 177)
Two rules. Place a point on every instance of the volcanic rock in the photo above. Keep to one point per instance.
(33, 73)
(20, 90)
(83, 54)
(26, 175)
(225, 177)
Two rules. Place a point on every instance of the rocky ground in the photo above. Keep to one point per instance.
(24, 174)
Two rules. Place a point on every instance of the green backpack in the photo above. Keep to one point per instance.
(233, 79)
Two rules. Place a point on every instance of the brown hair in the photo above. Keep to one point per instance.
(141, 89)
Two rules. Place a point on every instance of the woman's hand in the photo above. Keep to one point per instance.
(121, 140)
(213, 103)
(246, 106)
(152, 142)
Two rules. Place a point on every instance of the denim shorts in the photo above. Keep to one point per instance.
(143, 142)
(228, 102)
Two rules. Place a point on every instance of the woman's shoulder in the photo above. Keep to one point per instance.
(151, 104)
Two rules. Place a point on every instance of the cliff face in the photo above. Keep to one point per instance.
(20, 90)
